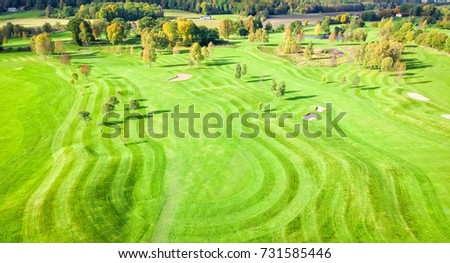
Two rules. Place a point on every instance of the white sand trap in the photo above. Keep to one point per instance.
(181, 77)
(447, 116)
(418, 97)
(310, 116)
(18, 68)
(320, 109)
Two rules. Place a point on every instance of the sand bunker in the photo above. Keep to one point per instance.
(320, 109)
(447, 116)
(181, 77)
(18, 68)
(418, 97)
(310, 116)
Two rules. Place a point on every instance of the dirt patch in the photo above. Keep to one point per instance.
(320, 109)
(417, 96)
(181, 77)
(311, 116)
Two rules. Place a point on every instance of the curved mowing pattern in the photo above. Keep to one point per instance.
(387, 181)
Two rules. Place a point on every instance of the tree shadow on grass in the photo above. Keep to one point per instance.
(135, 143)
(258, 80)
(173, 65)
(111, 123)
(419, 82)
(269, 110)
(370, 88)
(301, 97)
(414, 63)
(84, 55)
(220, 62)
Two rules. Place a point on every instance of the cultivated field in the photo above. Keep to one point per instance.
(277, 20)
(30, 19)
(60, 181)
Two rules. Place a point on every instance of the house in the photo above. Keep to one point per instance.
(398, 14)
(11, 10)
(206, 17)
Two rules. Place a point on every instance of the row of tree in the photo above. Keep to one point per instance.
(244, 7)
(239, 27)
(129, 11)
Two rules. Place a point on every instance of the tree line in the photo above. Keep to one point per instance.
(244, 7)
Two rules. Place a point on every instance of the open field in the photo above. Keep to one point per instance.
(277, 20)
(61, 181)
(196, 17)
(387, 181)
(29, 19)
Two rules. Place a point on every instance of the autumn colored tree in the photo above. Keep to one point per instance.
(386, 64)
(84, 35)
(205, 52)
(309, 50)
(170, 29)
(115, 33)
(195, 53)
(42, 44)
(65, 59)
(59, 47)
(85, 70)
(149, 54)
(225, 28)
(210, 47)
(289, 44)
(185, 29)
(332, 36)
(317, 29)
(176, 50)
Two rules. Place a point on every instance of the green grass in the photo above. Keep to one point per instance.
(21, 15)
(61, 182)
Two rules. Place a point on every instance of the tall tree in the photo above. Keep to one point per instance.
(85, 70)
(205, 52)
(85, 116)
(332, 36)
(185, 30)
(195, 53)
(281, 89)
(225, 28)
(309, 50)
(149, 54)
(317, 29)
(42, 44)
(84, 34)
(59, 47)
(134, 104)
(115, 33)
(65, 59)
(274, 85)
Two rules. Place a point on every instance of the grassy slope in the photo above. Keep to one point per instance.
(386, 181)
